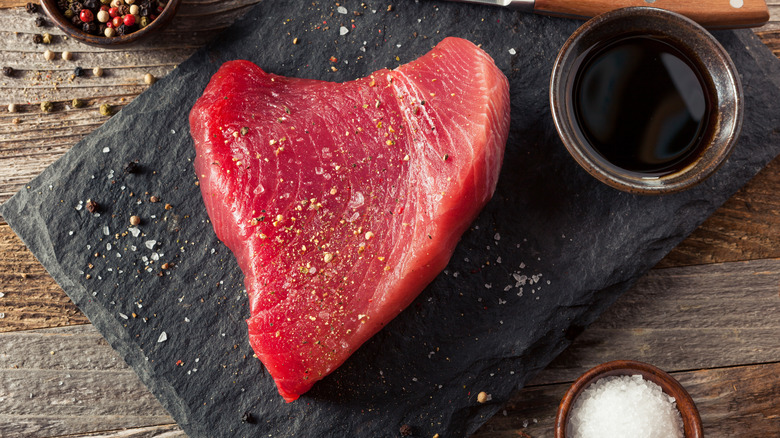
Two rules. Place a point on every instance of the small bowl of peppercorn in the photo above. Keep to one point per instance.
(110, 23)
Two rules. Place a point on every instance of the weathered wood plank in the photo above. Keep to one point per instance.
(684, 318)
(746, 227)
(43, 403)
(29, 297)
(164, 431)
(724, 315)
(733, 402)
(57, 382)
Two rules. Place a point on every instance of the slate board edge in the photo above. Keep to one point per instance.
(41, 248)
(131, 354)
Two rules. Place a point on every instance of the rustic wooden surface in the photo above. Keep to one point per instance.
(708, 313)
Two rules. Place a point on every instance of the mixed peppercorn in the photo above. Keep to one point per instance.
(111, 17)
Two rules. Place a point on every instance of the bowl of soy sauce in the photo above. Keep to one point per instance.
(646, 100)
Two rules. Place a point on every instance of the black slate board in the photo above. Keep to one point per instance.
(550, 252)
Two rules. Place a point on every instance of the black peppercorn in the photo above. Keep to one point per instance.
(37, 38)
(78, 72)
(121, 29)
(90, 27)
(8, 71)
(40, 21)
(76, 7)
(91, 4)
(132, 167)
(31, 8)
(123, 10)
(246, 417)
(406, 430)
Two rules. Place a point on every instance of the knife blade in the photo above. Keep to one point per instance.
(713, 14)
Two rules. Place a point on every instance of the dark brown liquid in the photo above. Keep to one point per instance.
(642, 105)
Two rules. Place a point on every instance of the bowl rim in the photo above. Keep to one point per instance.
(162, 20)
(688, 411)
(708, 54)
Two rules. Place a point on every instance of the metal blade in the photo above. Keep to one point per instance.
(520, 5)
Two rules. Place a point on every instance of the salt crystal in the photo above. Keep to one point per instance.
(106, 231)
(2, 295)
(497, 237)
(341, 10)
(343, 30)
(108, 246)
(624, 406)
(134, 231)
(163, 337)
(512, 51)
(106, 150)
(150, 244)
(123, 315)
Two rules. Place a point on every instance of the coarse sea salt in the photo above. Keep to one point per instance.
(624, 406)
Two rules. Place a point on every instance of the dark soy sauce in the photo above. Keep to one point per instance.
(642, 105)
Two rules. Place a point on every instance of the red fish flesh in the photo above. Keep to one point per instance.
(342, 201)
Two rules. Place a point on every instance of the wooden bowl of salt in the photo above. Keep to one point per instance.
(626, 398)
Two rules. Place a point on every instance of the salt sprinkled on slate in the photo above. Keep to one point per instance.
(163, 337)
(624, 406)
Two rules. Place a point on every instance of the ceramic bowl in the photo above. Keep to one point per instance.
(690, 415)
(120, 41)
(720, 79)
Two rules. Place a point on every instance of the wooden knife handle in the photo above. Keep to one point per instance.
(708, 13)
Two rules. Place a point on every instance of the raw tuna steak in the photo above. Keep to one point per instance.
(341, 202)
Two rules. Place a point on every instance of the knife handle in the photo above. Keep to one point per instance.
(709, 13)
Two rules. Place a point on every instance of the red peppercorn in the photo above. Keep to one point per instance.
(117, 21)
(113, 12)
(104, 8)
(86, 15)
(129, 19)
(109, 24)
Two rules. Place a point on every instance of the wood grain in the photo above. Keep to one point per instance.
(670, 318)
(29, 296)
(68, 370)
(733, 402)
(715, 13)
(746, 227)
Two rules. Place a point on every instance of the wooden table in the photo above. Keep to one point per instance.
(709, 313)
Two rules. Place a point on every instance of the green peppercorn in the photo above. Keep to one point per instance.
(47, 107)
(106, 110)
(46, 38)
(68, 13)
(77, 103)
(144, 22)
